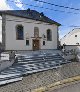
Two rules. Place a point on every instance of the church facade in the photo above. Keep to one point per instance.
(28, 30)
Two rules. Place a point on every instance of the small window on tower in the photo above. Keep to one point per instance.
(75, 35)
(27, 42)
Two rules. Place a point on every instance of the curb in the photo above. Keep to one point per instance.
(57, 85)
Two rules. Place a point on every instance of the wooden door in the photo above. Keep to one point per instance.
(35, 44)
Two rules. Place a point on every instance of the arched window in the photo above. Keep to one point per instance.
(49, 35)
(36, 32)
(19, 32)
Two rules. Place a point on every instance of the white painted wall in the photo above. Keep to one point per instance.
(70, 38)
(13, 44)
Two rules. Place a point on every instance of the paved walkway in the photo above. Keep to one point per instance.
(31, 63)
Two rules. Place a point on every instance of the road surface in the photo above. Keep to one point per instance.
(70, 88)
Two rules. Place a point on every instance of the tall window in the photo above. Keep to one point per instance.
(49, 35)
(19, 32)
(36, 32)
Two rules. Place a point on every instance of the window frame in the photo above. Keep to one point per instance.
(17, 38)
(36, 32)
(49, 35)
(28, 42)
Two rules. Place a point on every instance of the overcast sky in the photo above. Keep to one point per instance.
(66, 19)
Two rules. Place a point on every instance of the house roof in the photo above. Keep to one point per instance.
(30, 14)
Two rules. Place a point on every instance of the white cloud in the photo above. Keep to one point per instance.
(19, 4)
(4, 5)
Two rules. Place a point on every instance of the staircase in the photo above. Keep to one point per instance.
(27, 64)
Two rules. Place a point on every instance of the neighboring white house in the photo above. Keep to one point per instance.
(72, 38)
(28, 30)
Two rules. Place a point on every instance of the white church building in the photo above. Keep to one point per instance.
(28, 30)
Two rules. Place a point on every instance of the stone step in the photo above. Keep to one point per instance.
(40, 56)
(42, 63)
(39, 61)
(31, 68)
(9, 77)
(10, 80)
(28, 64)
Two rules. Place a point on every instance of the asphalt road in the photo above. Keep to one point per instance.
(70, 88)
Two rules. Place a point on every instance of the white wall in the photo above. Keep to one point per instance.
(70, 38)
(13, 44)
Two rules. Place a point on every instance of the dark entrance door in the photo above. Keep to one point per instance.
(35, 44)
